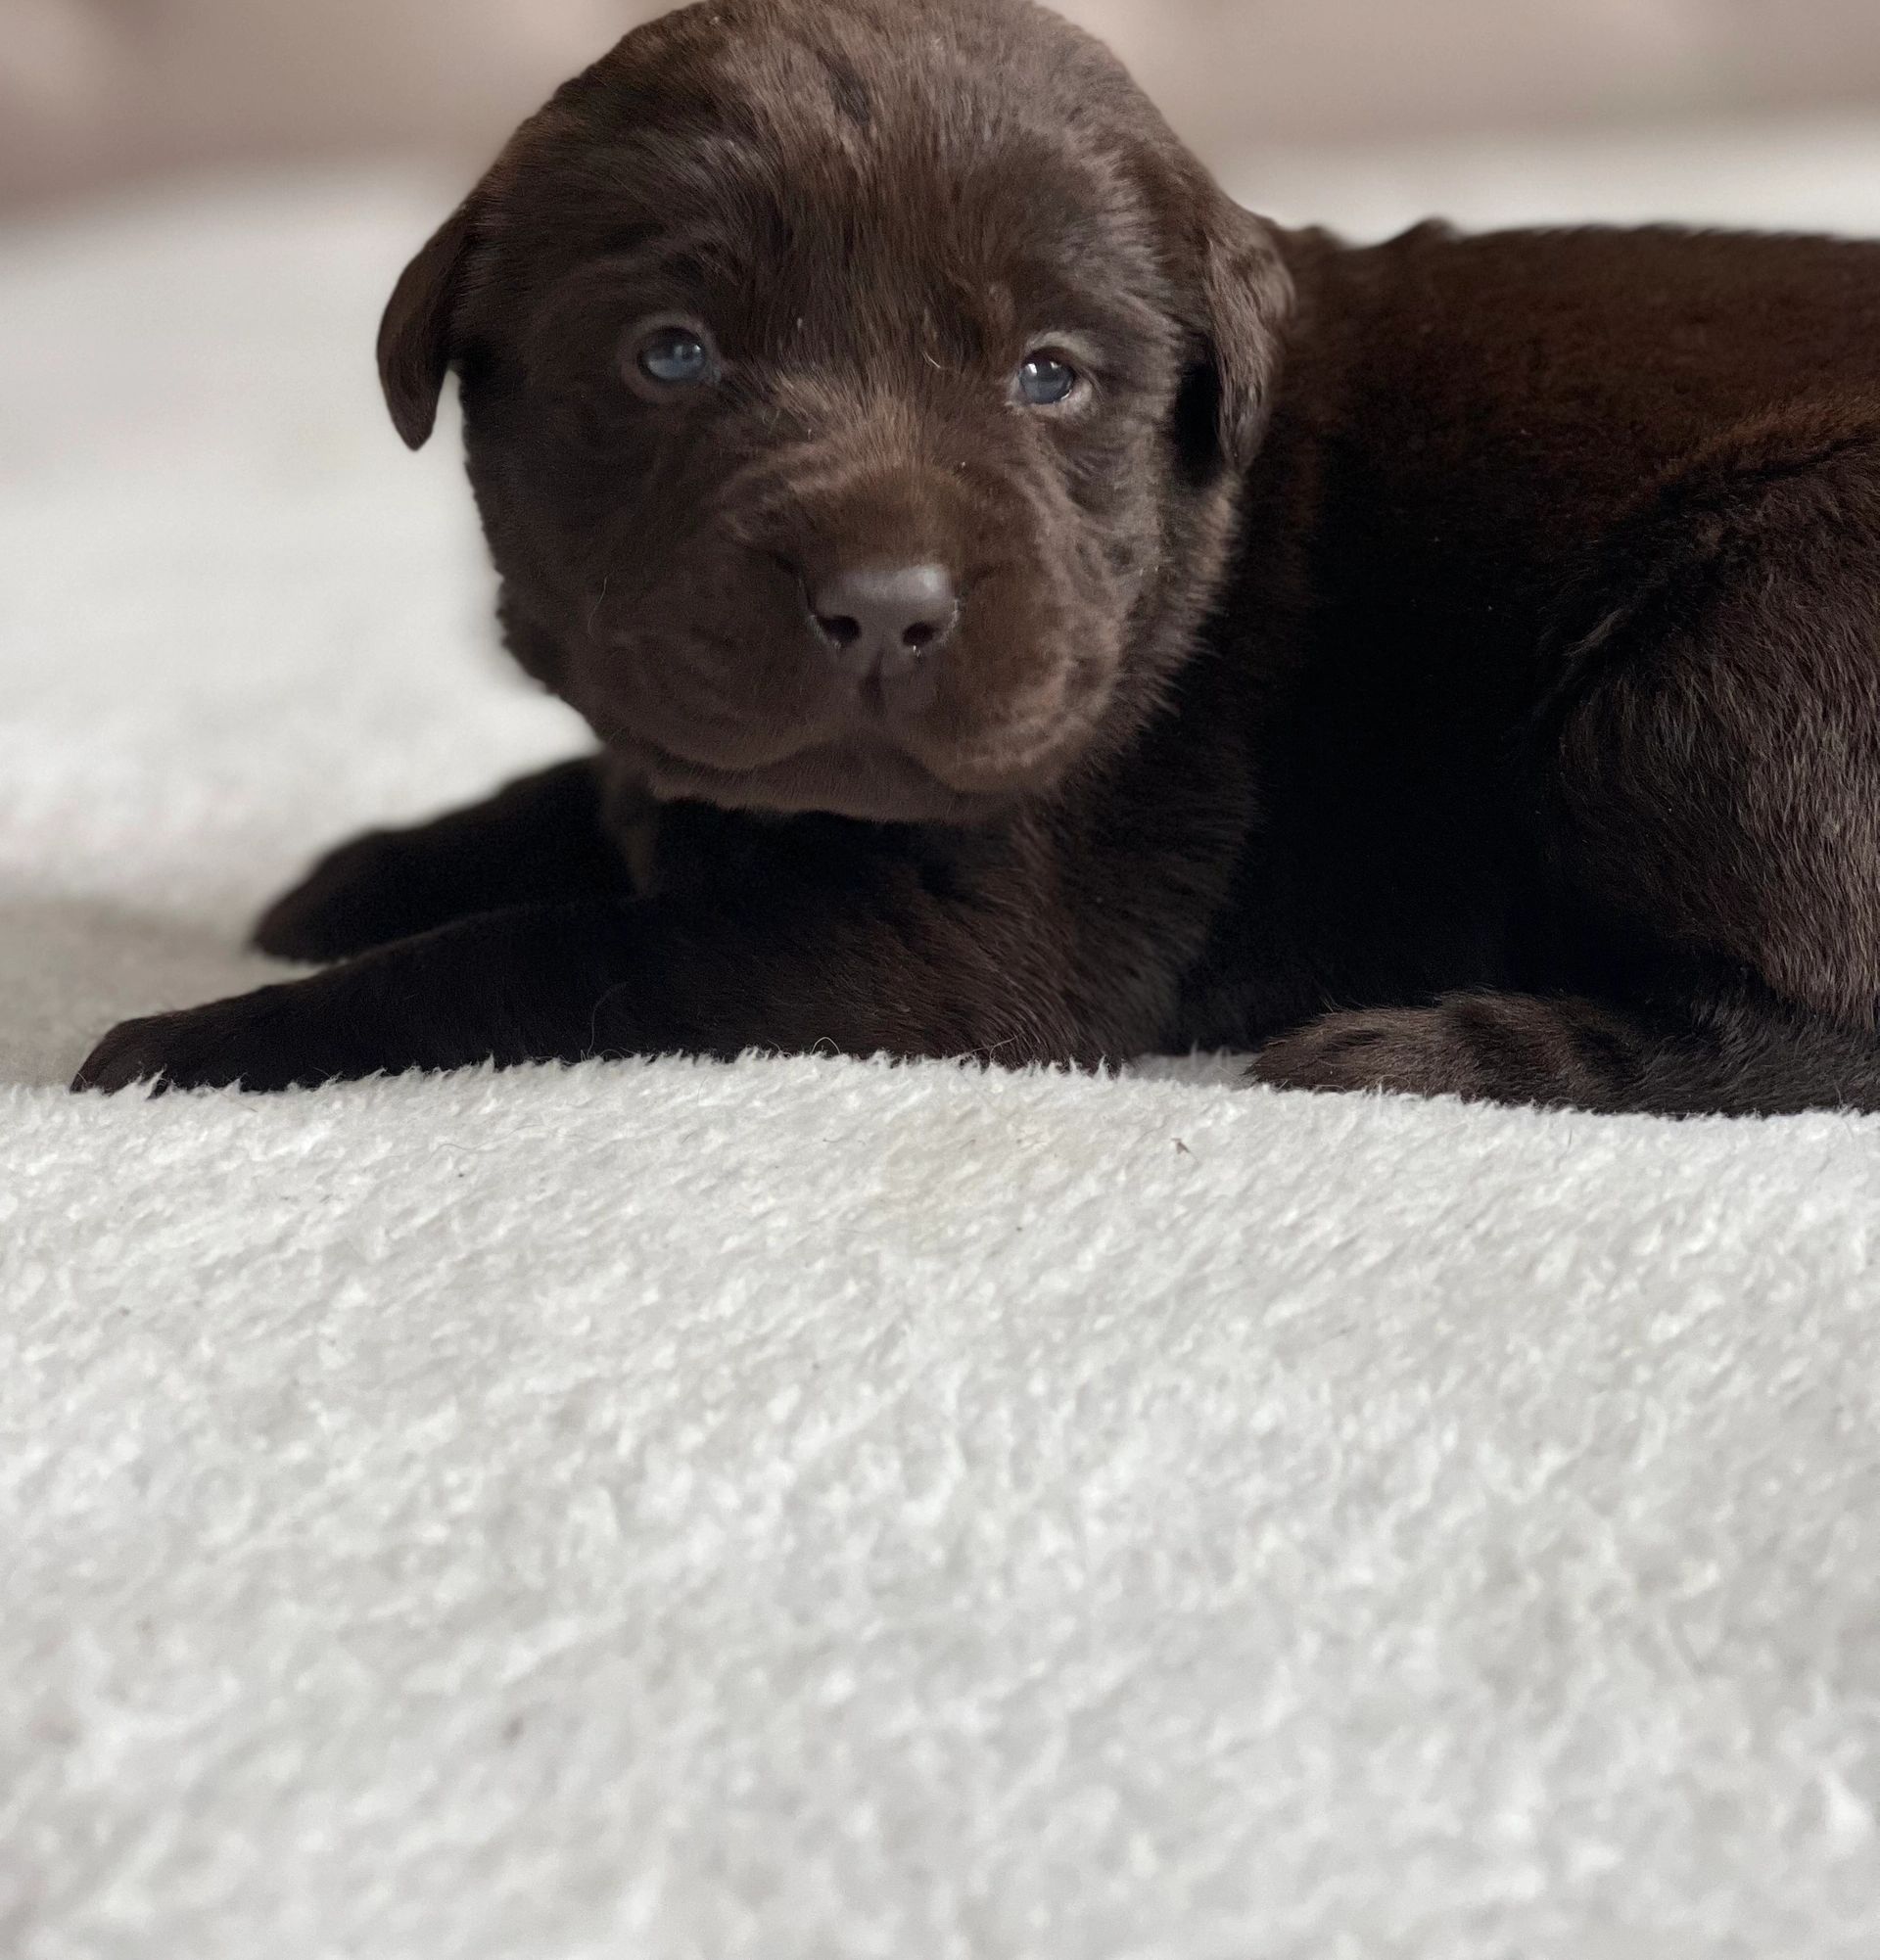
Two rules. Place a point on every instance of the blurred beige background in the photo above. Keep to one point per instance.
(96, 92)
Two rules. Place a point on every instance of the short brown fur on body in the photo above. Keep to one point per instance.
(1451, 665)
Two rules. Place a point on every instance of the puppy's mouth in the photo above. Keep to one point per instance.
(869, 781)
(825, 750)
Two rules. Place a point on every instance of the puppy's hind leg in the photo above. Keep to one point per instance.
(1710, 764)
(1706, 775)
(541, 840)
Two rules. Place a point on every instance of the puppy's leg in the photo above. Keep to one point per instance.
(1709, 777)
(1709, 764)
(857, 969)
(1738, 1057)
(507, 987)
(537, 841)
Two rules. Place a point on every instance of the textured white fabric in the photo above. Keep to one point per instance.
(806, 1510)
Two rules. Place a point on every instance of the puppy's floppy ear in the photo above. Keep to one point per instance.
(417, 337)
(1247, 300)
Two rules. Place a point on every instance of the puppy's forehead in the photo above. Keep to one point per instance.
(931, 135)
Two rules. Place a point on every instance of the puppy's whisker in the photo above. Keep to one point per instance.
(594, 610)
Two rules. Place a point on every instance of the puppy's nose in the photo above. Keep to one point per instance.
(886, 617)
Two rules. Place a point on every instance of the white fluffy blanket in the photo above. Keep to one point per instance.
(806, 1510)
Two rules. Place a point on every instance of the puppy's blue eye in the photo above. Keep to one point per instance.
(1044, 381)
(674, 357)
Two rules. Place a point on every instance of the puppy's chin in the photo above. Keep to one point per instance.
(870, 782)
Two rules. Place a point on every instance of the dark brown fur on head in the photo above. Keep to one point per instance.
(873, 225)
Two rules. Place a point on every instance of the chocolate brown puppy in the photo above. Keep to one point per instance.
(1029, 608)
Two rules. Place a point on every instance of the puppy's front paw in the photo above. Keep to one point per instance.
(252, 1042)
(366, 894)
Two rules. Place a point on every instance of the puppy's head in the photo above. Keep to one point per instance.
(853, 394)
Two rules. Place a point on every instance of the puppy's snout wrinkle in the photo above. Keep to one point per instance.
(884, 619)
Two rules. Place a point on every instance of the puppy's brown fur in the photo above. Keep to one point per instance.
(1452, 665)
